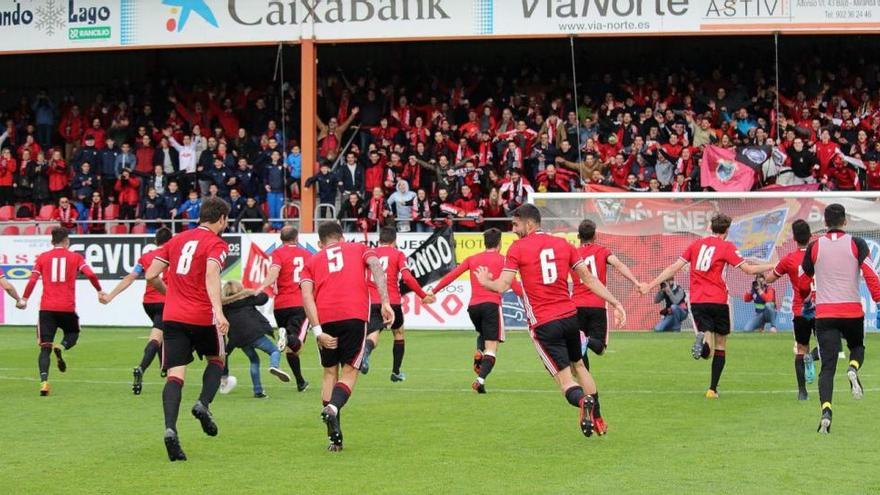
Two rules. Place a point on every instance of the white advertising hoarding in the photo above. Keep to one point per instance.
(42, 25)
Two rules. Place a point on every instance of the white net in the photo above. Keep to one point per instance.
(650, 231)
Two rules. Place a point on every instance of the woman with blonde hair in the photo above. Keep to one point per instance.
(249, 331)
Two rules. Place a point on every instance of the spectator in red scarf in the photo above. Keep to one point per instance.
(66, 214)
(377, 211)
(330, 134)
(492, 208)
(421, 214)
(96, 215)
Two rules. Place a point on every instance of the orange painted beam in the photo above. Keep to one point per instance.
(308, 134)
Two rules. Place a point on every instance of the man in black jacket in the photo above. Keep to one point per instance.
(802, 163)
(327, 189)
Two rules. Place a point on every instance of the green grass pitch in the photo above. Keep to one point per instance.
(432, 434)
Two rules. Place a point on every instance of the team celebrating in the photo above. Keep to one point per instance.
(347, 293)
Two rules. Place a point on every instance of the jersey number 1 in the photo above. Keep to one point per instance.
(704, 259)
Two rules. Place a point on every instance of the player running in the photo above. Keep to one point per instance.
(154, 304)
(708, 258)
(484, 307)
(58, 269)
(804, 312)
(193, 315)
(394, 263)
(337, 304)
(285, 273)
(834, 261)
(543, 262)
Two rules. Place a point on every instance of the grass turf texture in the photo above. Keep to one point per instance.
(432, 433)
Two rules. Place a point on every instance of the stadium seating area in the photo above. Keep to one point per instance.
(465, 142)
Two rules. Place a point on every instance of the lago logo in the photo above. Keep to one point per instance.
(185, 8)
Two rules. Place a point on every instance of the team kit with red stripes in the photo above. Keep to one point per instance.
(347, 292)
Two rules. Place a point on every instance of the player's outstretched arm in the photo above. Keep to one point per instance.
(380, 280)
(28, 289)
(212, 285)
(10, 289)
(500, 284)
(754, 269)
(668, 273)
(596, 287)
(123, 284)
(311, 308)
(623, 269)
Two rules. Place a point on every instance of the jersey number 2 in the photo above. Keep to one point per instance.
(548, 266)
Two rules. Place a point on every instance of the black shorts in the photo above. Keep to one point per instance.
(181, 339)
(154, 313)
(293, 320)
(49, 322)
(488, 321)
(831, 330)
(558, 343)
(711, 317)
(594, 323)
(351, 336)
(376, 322)
(803, 329)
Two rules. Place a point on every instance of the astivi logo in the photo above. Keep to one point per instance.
(185, 8)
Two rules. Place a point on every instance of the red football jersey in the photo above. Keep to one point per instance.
(492, 260)
(58, 268)
(393, 261)
(790, 265)
(292, 261)
(543, 262)
(596, 259)
(151, 295)
(187, 255)
(708, 258)
(339, 274)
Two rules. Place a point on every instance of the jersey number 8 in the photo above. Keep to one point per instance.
(184, 263)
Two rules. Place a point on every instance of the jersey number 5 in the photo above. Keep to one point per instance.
(184, 263)
(704, 259)
(548, 266)
(334, 259)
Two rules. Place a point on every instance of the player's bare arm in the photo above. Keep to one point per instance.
(212, 285)
(311, 308)
(754, 269)
(382, 287)
(596, 287)
(500, 285)
(125, 283)
(623, 269)
(668, 273)
(272, 276)
(10, 289)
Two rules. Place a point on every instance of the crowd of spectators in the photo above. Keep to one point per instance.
(418, 152)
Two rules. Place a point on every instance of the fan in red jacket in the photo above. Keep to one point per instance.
(621, 168)
(468, 207)
(872, 176)
(59, 174)
(553, 180)
(844, 177)
(374, 175)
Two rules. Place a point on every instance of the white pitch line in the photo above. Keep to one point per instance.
(468, 390)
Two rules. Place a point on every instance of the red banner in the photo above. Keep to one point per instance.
(256, 269)
(720, 170)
